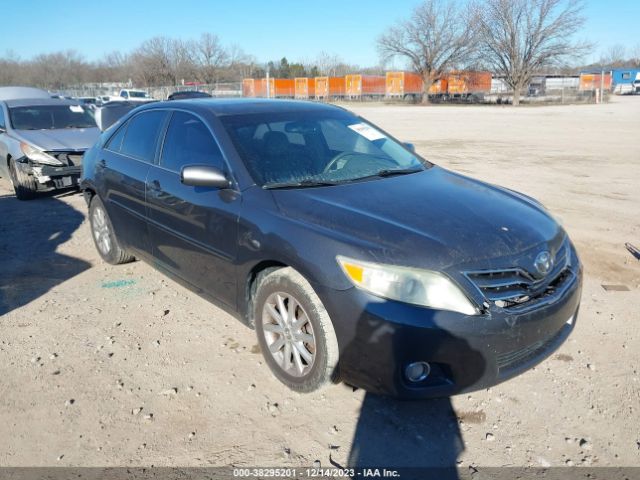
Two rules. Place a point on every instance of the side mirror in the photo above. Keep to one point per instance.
(410, 146)
(203, 176)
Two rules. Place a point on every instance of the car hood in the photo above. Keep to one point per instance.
(433, 219)
(60, 139)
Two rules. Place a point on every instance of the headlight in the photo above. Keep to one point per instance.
(409, 285)
(38, 156)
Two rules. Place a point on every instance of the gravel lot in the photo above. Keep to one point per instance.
(106, 366)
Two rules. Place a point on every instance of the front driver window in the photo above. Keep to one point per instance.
(189, 142)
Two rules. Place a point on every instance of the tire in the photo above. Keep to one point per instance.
(312, 332)
(104, 235)
(24, 185)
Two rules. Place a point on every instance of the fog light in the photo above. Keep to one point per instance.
(417, 371)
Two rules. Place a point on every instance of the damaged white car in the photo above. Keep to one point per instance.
(42, 141)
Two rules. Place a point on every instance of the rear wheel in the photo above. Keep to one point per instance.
(104, 236)
(295, 332)
(24, 185)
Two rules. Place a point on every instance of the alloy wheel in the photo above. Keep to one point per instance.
(100, 228)
(289, 334)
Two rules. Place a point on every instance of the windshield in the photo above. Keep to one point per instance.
(49, 117)
(135, 94)
(306, 148)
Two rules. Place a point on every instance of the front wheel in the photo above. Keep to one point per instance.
(104, 236)
(23, 184)
(294, 331)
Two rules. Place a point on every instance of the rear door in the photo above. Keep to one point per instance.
(124, 166)
(193, 230)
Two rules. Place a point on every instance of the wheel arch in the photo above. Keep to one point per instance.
(264, 267)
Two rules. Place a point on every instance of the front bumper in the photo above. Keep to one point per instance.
(378, 338)
(50, 177)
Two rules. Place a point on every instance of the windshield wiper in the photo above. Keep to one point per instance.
(300, 184)
(390, 173)
(396, 171)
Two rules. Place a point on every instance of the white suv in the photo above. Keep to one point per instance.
(135, 95)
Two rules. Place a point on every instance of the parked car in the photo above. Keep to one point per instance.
(88, 101)
(104, 99)
(186, 94)
(110, 112)
(132, 95)
(42, 141)
(14, 93)
(351, 256)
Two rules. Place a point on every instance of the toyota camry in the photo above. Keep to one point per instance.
(351, 256)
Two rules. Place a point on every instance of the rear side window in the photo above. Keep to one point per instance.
(141, 138)
(115, 142)
(189, 142)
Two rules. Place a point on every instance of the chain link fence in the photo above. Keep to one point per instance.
(217, 90)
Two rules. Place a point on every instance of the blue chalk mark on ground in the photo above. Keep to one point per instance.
(118, 283)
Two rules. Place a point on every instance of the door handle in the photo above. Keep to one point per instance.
(102, 163)
(155, 185)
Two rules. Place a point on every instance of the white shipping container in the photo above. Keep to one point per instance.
(562, 83)
(498, 85)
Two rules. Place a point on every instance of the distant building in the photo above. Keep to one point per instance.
(622, 79)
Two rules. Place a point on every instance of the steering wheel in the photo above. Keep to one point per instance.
(331, 166)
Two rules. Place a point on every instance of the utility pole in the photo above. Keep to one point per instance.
(268, 83)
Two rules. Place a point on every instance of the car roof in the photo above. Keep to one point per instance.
(13, 93)
(243, 106)
(33, 102)
(189, 91)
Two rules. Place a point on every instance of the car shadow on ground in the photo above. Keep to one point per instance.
(420, 437)
(31, 232)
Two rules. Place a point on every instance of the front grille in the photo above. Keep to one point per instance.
(71, 159)
(515, 358)
(514, 287)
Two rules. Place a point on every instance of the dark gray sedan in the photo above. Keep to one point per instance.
(352, 256)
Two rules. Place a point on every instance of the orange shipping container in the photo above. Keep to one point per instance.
(593, 81)
(263, 91)
(248, 87)
(358, 86)
(400, 84)
(468, 82)
(283, 87)
(329, 87)
(304, 87)
(255, 87)
(439, 86)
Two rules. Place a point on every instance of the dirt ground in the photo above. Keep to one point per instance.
(107, 366)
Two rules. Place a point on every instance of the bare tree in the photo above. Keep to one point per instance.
(113, 67)
(521, 37)
(57, 70)
(153, 62)
(211, 57)
(635, 55)
(184, 60)
(328, 64)
(614, 56)
(11, 68)
(240, 64)
(440, 35)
